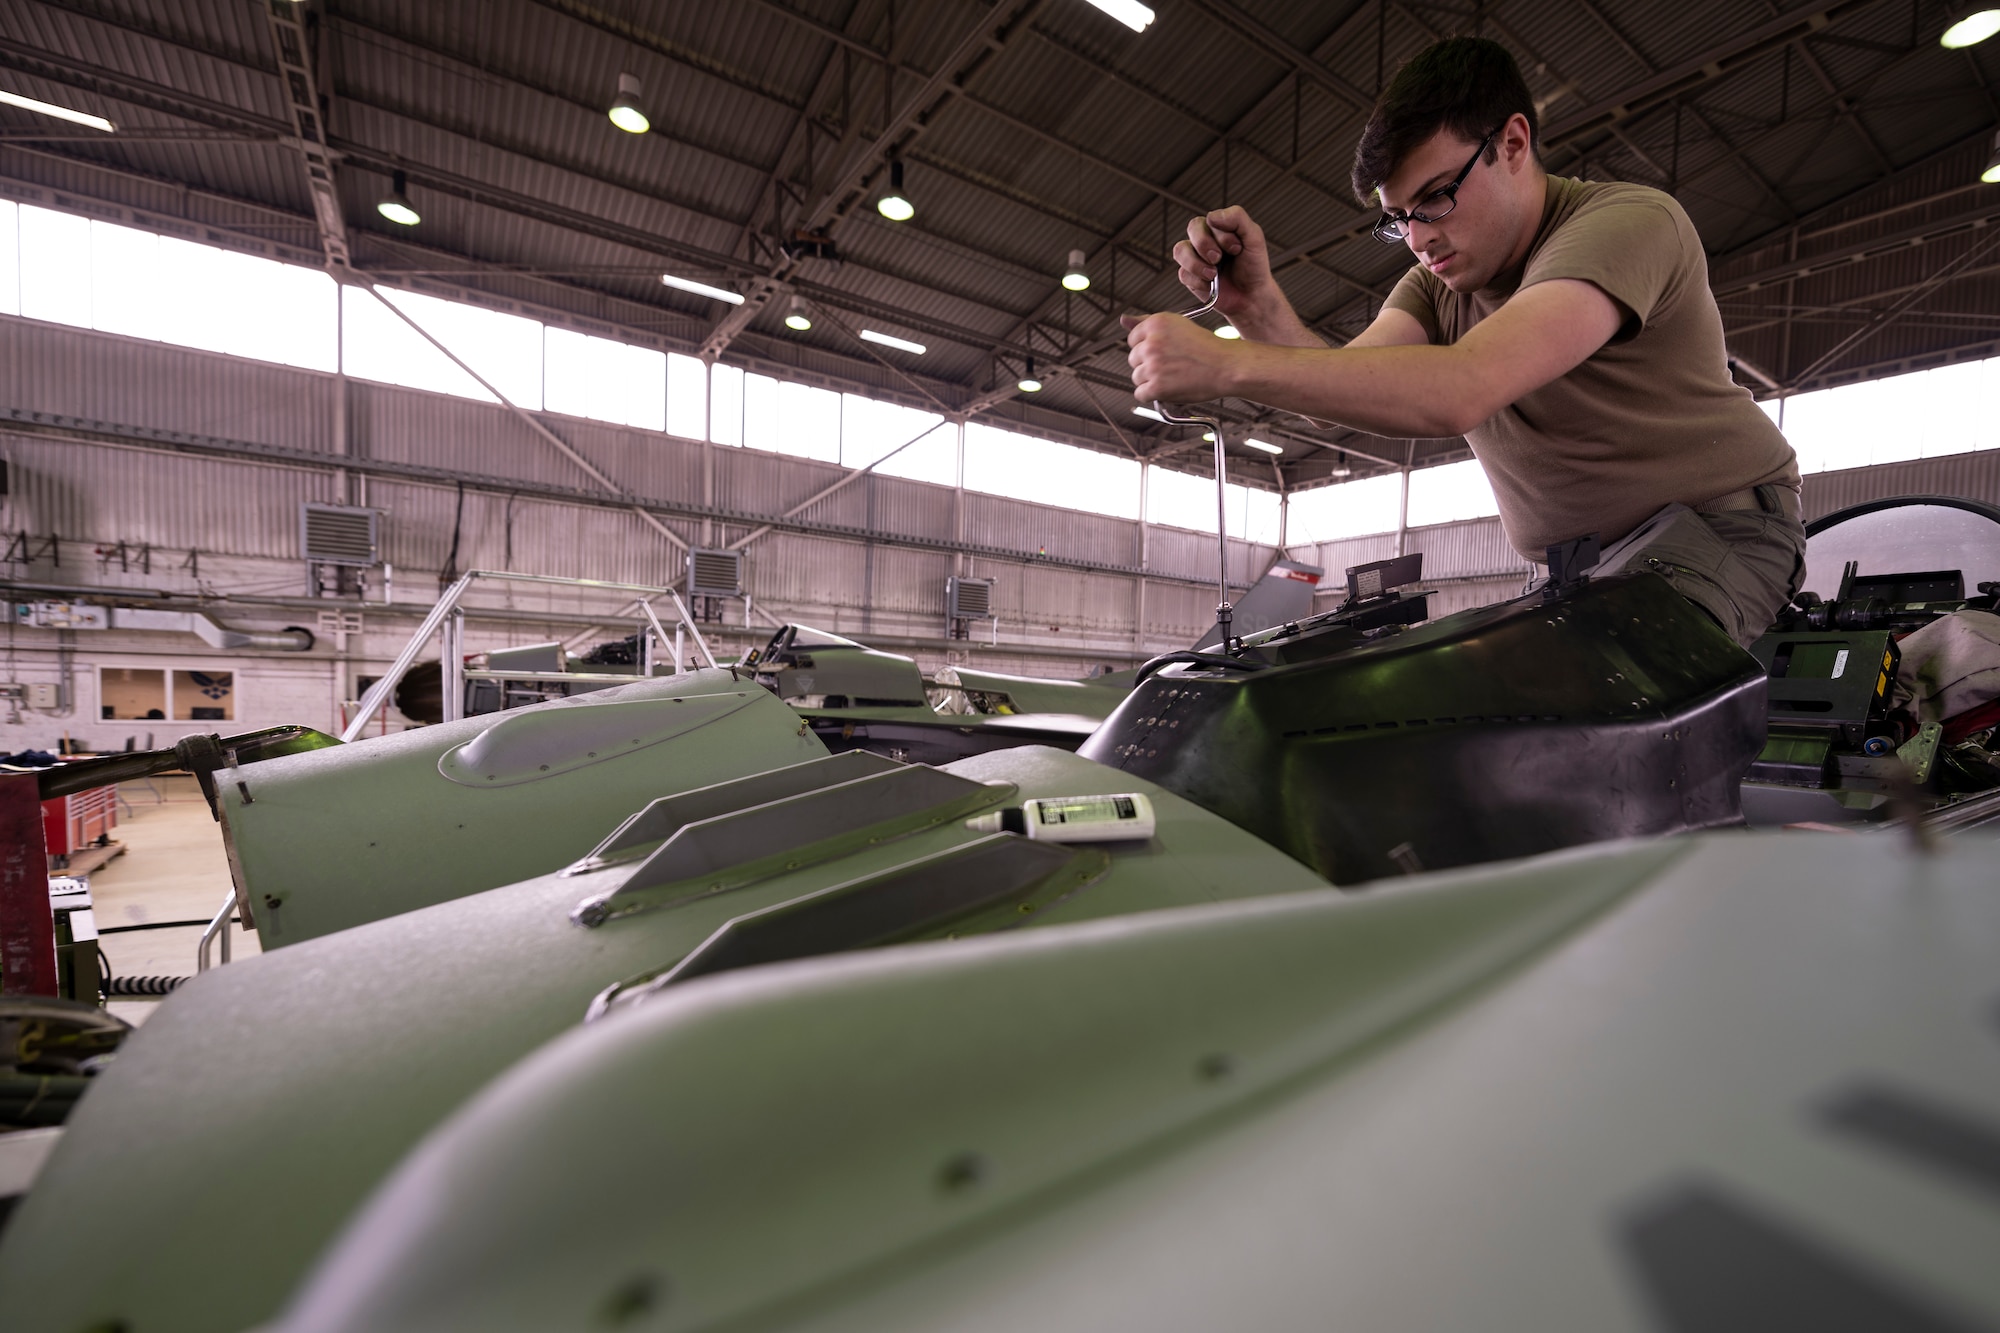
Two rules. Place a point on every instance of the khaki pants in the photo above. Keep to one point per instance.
(1741, 565)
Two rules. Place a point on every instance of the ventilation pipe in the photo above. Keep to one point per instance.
(292, 640)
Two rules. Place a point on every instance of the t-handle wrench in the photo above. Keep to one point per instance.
(1224, 612)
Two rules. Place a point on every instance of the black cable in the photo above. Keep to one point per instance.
(149, 925)
(150, 987)
(1215, 661)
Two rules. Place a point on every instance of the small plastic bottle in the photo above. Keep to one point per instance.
(1123, 818)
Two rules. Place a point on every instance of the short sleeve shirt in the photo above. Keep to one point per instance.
(1650, 418)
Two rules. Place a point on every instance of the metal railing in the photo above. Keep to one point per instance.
(446, 622)
(218, 929)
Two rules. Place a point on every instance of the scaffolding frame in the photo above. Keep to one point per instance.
(446, 622)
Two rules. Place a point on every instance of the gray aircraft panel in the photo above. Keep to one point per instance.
(1677, 1085)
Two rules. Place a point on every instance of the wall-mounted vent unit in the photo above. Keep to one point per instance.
(715, 573)
(338, 534)
(968, 599)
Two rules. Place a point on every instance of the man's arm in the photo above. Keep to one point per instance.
(1392, 328)
(1383, 382)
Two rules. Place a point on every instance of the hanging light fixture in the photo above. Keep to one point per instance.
(625, 111)
(1992, 173)
(1340, 468)
(1970, 26)
(397, 207)
(1266, 446)
(1075, 279)
(1228, 331)
(1028, 382)
(796, 318)
(894, 204)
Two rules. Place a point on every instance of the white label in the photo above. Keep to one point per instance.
(1839, 664)
(1089, 818)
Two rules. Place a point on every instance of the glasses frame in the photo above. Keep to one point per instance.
(1393, 229)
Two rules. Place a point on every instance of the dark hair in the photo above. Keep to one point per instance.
(1467, 85)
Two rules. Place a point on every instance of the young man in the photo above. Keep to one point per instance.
(1565, 328)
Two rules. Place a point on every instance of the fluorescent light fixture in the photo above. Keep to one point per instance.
(702, 289)
(625, 112)
(1266, 446)
(1148, 413)
(1228, 331)
(900, 344)
(894, 204)
(1074, 278)
(59, 112)
(1971, 27)
(1029, 384)
(397, 207)
(1128, 12)
(1992, 173)
(797, 317)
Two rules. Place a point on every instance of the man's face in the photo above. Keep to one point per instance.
(1469, 246)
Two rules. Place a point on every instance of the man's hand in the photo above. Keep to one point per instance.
(1249, 296)
(1229, 232)
(1175, 359)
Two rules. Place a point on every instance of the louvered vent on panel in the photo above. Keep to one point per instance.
(715, 573)
(337, 534)
(968, 599)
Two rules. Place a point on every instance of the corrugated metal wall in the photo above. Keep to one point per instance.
(1971, 476)
(242, 516)
(1476, 549)
(1051, 619)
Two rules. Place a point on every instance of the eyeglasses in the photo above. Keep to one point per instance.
(1394, 228)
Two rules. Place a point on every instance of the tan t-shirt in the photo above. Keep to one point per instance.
(1649, 418)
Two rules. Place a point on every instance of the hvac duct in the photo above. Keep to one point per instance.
(292, 640)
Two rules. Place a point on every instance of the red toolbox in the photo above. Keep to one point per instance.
(72, 823)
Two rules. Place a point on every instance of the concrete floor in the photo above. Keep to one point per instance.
(173, 869)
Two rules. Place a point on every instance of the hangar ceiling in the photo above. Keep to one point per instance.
(1829, 153)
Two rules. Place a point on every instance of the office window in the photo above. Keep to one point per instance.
(137, 694)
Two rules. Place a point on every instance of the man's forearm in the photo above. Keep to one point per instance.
(1410, 392)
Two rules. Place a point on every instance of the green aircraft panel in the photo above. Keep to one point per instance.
(337, 837)
(259, 1105)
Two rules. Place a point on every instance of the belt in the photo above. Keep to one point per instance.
(1786, 501)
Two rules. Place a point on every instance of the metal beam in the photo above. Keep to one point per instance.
(1874, 248)
(973, 50)
(1718, 61)
(626, 31)
(1096, 346)
(1240, 24)
(527, 418)
(298, 85)
(1884, 318)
